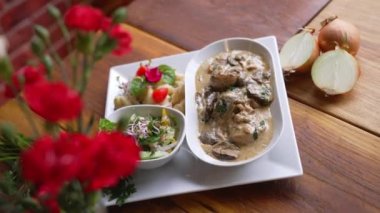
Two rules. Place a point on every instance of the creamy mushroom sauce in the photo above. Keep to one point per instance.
(233, 98)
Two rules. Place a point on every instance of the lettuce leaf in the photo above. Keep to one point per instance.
(138, 86)
(106, 125)
(168, 74)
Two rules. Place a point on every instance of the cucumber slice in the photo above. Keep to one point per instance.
(146, 155)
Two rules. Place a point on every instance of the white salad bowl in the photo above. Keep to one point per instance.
(192, 131)
(154, 110)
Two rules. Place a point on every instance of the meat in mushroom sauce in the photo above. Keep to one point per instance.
(233, 98)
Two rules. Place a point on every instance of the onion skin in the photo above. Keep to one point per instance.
(336, 32)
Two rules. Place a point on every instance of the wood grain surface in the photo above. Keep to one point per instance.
(341, 175)
(360, 107)
(192, 24)
(340, 161)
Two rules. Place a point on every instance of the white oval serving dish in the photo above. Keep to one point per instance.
(192, 132)
(154, 110)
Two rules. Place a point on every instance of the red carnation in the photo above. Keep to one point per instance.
(84, 17)
(6, 92)
(28, 75)
(123, 39)
(109, 157)
(50, 163)
(53, 101)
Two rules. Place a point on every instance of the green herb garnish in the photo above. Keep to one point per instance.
(121, 191)
(138, 86)
(106, 125)
(221, 106)
(255, 134)
(168, 74)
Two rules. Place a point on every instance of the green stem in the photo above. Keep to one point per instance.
(87, 66)
(74, 65)
(80, 122)
(28, 115)
(53, 128)
(9, 158)
(61, 65)
(57, 59)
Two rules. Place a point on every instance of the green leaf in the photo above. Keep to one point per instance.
(30, 203)
(147, 155)
(54, 12)
(138, 87)
(119, 15)
(104, 45)
(122, 124)
(6, 69)
(221, 106)
(255, 134)
(42, 33)
(150, 140)
(106, 125)
(168, 74)
(121, 191)
(37, 45)
(48, 63)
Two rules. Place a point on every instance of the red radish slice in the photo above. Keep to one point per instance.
(160, 94)
(299, 52)
(142, 70)
(335, 72)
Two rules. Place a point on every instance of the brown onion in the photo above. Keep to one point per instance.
(336, 32)
(299, 52)
(335, 72)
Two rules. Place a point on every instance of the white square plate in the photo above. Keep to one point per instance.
(185, 173)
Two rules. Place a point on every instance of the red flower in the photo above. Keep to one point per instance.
(109, 157)
(28, 75)
(106, 24)
(123, 39)
(53, 101)
(84, 17)
(24, 76)
(153, 75)
(6, 91)
(50, 163)
(52, 205)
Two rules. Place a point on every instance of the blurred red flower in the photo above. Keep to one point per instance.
(123, 39)
(49, 163)
(83, 17)
(109, 157)
(52, 205)
(6, 91)
(28, 75)
(53, 101)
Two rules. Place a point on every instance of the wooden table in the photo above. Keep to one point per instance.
(338, 137)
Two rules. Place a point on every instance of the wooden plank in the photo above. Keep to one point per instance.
(340, 163)
(192, 24)
(342, 174)
(361, 106)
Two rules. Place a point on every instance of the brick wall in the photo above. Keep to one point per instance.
(17, 18)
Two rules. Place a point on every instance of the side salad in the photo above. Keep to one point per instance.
(159, 85)
(156, 135)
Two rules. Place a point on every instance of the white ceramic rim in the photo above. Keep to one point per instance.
(197, 149)
(180, 115)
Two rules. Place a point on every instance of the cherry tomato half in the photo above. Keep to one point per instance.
(160, 94)
(141, 71)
